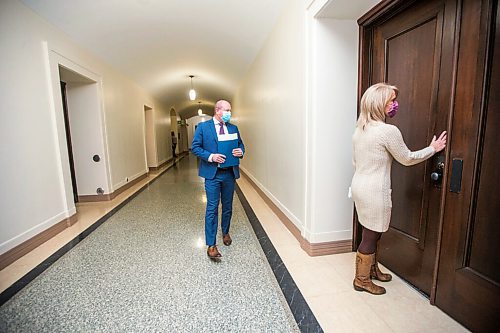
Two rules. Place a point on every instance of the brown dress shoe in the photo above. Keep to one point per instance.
(226, 239)
(212, 252)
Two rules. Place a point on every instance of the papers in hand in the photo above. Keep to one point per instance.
(226, 144)
(228, 137)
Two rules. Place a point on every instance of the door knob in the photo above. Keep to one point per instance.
(437, 174)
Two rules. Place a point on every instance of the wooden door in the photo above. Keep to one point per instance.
(445, 57)
(468, 284)
(412, 48)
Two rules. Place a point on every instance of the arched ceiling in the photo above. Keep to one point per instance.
(159, 43)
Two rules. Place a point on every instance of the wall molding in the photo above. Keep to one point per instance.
(171, 159)
(114, 194)
(94, 198)
(326, 248)
(291, 216)
(27, 246)
(312, 249)
(156, 168)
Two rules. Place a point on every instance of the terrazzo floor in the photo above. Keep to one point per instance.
(145, 269)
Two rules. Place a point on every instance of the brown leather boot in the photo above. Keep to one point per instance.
(362, 281)
(376, 273)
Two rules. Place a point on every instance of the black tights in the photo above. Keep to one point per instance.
(369, 241)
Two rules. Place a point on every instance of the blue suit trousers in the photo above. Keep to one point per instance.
(219, 189)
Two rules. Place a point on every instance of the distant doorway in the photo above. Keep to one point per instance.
(82, 129)
(174, 128)
(149, 137)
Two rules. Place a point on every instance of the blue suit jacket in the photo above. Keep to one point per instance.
(205, 143)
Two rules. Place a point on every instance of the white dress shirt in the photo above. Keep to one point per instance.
(217, 129)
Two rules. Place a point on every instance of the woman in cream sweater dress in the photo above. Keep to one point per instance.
(375, 145)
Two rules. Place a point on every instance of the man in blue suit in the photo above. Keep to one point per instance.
(219, 181)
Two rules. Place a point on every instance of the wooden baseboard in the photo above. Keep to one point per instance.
(94, 198)
(156, 168)
(179, 156)
(312, 249)
(22, 249)
(128, 185)
(110, 196)
(326, 248)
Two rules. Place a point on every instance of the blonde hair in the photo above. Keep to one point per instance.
(373, 103)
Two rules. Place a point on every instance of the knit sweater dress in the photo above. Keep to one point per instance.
(373, 151)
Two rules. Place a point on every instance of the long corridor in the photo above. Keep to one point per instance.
(145, 269)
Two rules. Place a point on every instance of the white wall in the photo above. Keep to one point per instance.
(332, 118)
(269, 111)
(34, 167)
(296, 110)
(332, 61)
(192, 123)
(124, 109)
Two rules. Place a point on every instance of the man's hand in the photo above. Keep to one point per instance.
(237, 152)
(218, 158)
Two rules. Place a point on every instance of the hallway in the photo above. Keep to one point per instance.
(99, 97)
(145, 269)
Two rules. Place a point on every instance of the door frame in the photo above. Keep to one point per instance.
(55, 59)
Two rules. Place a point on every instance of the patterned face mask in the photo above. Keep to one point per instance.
(393, 109)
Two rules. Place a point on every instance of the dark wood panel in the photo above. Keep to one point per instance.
(466, 288)
(411, 61)
(485, 232)
(414, 51)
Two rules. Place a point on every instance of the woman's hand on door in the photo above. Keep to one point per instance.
(439, 143)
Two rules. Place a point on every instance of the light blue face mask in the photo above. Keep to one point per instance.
(226, 116)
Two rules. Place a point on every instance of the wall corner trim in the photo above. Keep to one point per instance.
(27, 246)
(312, 249)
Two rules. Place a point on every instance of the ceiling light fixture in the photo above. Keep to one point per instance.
(192, 92)
(200, 111)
